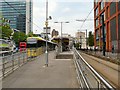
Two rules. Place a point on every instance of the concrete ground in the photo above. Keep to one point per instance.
(59, 74)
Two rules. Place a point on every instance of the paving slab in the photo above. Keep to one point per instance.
(34, 74)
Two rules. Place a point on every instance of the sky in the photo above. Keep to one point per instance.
(62, 11)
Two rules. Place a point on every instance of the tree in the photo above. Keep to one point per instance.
(5, 30)
(19, 37)
(30, 34)
(91, 39)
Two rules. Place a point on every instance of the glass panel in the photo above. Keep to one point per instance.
(102, 4)
(113, 29)
(119, 5)
(112, 8)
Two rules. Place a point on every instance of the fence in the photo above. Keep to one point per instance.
(10, 63)
(87, 76)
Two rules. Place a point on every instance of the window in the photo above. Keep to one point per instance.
(119, 5)
(96, 11)
(112, 8)
(97, 35)
(97, 22)
(113, 29)
(101, 17)
(102, 4)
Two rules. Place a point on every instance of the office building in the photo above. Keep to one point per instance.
(111, 12)
(81, 39)
(19, 12)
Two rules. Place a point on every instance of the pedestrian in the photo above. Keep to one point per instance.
(112, 48)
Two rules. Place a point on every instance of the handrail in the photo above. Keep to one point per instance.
(108, 85)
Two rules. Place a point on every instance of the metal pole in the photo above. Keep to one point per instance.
(103, 35)
(61, 36)
(46, 32)
(86, 38)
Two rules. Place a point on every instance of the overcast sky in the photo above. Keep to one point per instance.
(61, 10)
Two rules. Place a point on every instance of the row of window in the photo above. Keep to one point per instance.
(13, 9)
(99, 20)
(113, 30)
(102, 5)
(98, 32)
(112, 8)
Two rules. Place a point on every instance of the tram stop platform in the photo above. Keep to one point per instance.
(60, 73)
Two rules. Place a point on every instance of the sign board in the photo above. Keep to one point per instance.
(48, 30)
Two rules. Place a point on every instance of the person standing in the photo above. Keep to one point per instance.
(112, 48)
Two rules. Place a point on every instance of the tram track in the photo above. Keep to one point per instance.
(107, 69)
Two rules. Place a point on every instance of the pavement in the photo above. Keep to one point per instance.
(60, 73)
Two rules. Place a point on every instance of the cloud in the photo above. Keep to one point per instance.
(52, 6)
(66, 10)
(62, 11)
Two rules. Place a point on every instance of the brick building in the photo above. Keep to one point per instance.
(111, 12)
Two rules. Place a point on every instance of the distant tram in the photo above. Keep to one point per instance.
(65, 42)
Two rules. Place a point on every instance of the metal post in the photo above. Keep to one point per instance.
(86, 38)
(80, 43)
(3, 65)
(46, 23)
(12, 62)
(61, 37)
(103, 35)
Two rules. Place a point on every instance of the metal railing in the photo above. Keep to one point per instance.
(13, 61)
(88, 77)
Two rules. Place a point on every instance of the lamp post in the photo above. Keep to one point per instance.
(46, 24)
(61, 31)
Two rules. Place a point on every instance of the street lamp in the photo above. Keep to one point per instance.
(61, 31)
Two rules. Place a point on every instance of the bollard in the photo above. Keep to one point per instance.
(12, 62)
(23, 56)
(3, 66)
(19, 60)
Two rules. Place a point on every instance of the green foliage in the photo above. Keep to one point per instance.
(91, 39)
(19, 37)
(30, 34)
(77, 45)
(5, 30)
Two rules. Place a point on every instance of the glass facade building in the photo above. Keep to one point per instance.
(19, 12)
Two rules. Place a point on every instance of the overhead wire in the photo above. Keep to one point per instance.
(87, 17)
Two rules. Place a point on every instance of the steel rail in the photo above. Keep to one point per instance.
(108, 85)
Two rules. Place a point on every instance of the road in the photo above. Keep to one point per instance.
(107, 69)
